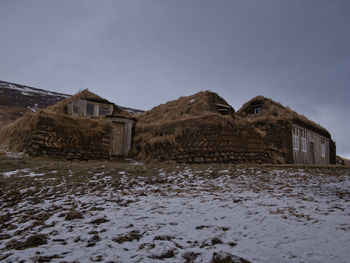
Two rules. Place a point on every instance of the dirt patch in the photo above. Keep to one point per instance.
(224, 257)
(190, 257)
(216, 240)
(32, 241)
(132, 235)
(167, 254)
(99, 221)
(165, 237)
(73, 214)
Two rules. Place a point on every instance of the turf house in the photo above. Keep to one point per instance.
(303, 141)
(204, 128)
(82, 127)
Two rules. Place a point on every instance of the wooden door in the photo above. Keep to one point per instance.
(117, 139)
(312, 152)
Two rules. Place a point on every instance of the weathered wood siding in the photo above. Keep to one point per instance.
(121, 129)
(312, 152)
(121, 132)
(79, 108)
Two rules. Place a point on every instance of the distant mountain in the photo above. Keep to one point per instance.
(346, 161)
(17, 99)
(131, 110)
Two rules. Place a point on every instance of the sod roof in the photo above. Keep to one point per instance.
(274, 113)
(18, 134)
(61, 106)
(164, 124)
(199, 104)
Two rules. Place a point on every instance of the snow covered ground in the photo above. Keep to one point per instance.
(182, 214)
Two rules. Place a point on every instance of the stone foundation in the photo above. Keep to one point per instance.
(218, 146)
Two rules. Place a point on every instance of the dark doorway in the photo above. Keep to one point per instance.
(312, 152)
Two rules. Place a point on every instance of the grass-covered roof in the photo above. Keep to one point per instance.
(274, 113)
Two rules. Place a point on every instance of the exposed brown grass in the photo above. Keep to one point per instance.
(10, 113)
(17, 136)
(73, 214)
(184, 108)
(61, 106)
(32, 241)
(128, 237)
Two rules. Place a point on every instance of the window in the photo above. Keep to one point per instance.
(104, 110)
(295, 142)
(303, 144)
(75, 109)
(90, 109)
(323, 150)
(257, 110)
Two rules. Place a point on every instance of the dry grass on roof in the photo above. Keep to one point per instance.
(204, 121)
(183, 108)
(117, 112)
(17, 135)
(275, 113)
(165, 124)
(60, 107)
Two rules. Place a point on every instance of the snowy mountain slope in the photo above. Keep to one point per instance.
(131, 110)
(16, 99)
(19, 95)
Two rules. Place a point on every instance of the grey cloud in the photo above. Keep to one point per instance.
(142, 53)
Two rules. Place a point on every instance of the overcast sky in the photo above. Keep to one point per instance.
(140, 53)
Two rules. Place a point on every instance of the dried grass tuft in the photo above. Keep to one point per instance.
(18, 135)
(32, 241)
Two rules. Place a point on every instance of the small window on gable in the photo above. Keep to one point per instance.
(303, 144)
(296, 142)
(323, 150)
(90, 109)
(104, 110)
(257, 109)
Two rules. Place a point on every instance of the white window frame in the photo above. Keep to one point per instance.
(296, 142)
(323, 150)
(303, 144)
(257, 110)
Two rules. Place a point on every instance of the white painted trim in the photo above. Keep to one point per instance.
(303, 145)
(295, 142)
(319, 135)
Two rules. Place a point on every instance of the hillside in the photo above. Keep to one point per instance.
(16, 99)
